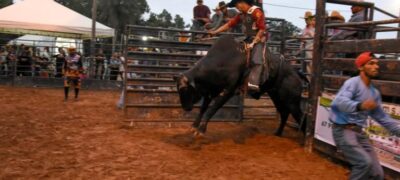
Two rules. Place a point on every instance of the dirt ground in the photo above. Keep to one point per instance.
(41, 137)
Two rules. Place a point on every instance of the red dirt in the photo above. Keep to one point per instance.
(43, 138)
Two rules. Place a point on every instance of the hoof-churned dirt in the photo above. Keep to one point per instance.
(41, 137)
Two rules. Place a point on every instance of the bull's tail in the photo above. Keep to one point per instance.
(303, 77)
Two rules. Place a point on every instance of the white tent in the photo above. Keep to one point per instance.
(49, 18)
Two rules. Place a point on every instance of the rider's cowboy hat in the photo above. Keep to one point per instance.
(308, 15)
(234, 2)
(221, 5)
(335, 15)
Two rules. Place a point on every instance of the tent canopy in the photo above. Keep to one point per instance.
(48, 18)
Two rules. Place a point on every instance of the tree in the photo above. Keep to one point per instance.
(113, 13)
(290, 29)
(5, 3)
(118, 13)
(81, 6)
(179, 22)
(164, 19)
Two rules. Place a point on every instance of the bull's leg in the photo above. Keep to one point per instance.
(218, 103)
(203, 109)
(297, 114)
(284, 116)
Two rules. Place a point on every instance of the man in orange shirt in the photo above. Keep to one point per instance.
(253, 20)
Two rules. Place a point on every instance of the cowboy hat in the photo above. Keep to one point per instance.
(335, 15)
(234, 2)
(220, 6)
(307, 15)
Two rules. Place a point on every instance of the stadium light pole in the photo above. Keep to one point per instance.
(93, 38)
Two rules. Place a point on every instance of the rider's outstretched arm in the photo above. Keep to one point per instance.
(223, 28)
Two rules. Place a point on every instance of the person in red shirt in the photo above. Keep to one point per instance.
(201, 13)
(254, 27)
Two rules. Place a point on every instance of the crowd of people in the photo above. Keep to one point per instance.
(32, 61)
(202, 19)
(308, 32)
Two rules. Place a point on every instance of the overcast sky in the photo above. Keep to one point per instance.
(185, 7)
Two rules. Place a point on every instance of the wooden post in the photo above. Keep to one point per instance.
(316, 78)
(125, 80)
(93, 38)
(398, 37)
(283, 35)
(371, 32)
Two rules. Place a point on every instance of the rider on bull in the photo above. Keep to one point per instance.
(253, 20)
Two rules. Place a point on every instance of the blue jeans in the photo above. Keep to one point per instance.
(359, 152)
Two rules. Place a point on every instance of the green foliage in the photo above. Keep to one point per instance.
(290, 29)
(179, 22)
(113, 13)
(164, 19)
(5, 3)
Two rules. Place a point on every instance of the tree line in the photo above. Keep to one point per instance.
(118, 13)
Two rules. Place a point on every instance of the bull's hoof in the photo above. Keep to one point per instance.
(198, 135)
(192, 129)
(279, 134)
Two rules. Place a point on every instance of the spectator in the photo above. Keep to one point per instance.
(60, 58)
(100, 58)
(50, 67)
(37, 63)
(201, 15)
(3, 61)
(335, 17)
(307, 43)
(115, 63)
(122, 66)
(228, 15)
(11, 57)
(216, 20)
(24, 65)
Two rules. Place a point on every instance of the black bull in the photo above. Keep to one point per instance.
(223, 70)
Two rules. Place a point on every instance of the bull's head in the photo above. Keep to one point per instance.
(187, 92)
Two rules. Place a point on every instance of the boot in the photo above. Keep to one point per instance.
(254, 78)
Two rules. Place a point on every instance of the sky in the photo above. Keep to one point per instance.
(273, 8)
(185, 8)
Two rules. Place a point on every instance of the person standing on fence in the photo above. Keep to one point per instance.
(356, 100)
(335, 17)
(308, 41)
(201, 15)
(72, 70)
(253, 20)
(216, 20)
